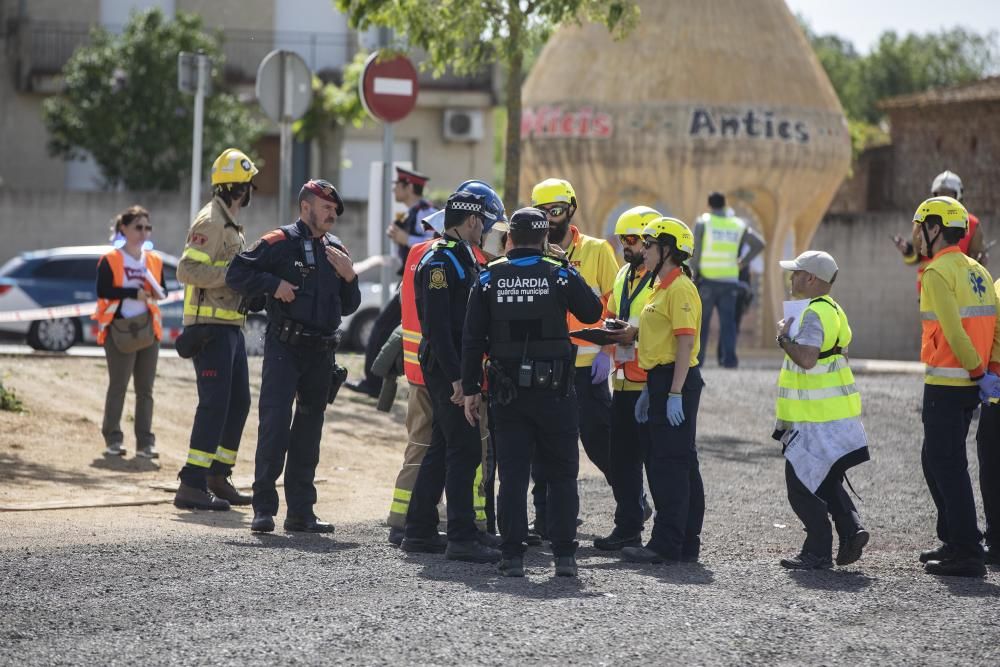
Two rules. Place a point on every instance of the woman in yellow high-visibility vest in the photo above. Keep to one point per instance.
(668, 341)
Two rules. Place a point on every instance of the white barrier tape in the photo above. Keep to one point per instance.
(73, 310)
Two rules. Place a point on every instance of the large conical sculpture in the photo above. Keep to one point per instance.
(702, 95)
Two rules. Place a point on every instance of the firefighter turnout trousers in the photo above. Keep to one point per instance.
(223, 405)
(419, 424)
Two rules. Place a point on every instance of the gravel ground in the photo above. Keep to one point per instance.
(150, 585)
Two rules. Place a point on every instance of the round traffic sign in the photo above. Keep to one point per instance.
(284, 85)
(388, 88)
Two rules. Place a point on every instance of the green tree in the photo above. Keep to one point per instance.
(898, 66)
(914, 63)
(469, 36)
(333, 106)
(121, 104)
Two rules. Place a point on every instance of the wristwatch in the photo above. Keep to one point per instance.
(781, 339)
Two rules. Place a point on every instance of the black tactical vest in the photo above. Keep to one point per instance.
(527, 309)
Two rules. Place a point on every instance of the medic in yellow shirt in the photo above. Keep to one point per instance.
(668, 338)
(629, 439)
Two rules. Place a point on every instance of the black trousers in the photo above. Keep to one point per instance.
(830, 498)
(947, 414)
(539, 426)
(223, 403)
(449, 465)
(988, 449)
(629, 442)
(300, 375)
(594, 422)
(386, 322)
(672, 467)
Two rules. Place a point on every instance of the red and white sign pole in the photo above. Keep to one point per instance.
(388, 93)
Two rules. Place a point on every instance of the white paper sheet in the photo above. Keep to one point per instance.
(794, 309)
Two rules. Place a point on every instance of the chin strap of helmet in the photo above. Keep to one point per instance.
(662, 245)
(928, 240)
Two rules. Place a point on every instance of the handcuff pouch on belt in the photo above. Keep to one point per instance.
(289, 331)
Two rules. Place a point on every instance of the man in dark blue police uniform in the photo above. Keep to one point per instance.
(407, 189)
(310, 283)
(517, 313)
(445, 276)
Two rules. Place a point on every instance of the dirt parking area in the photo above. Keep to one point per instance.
(151, 585)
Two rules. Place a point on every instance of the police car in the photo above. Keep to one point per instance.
(67, 276)
(62, 277)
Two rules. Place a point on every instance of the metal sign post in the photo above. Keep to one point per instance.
(388, 91)
(386, 270)
(193, 77)
(284, 90)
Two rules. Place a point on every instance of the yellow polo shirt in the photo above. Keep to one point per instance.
(673, 310)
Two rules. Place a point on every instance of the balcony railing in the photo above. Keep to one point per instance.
(40, 49)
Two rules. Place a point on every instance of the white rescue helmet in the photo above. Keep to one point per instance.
(947, 180)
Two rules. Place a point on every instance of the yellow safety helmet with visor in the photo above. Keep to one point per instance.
(233, 166)
(665, 226)
(949, 210)
(553, 191)
(634, 220)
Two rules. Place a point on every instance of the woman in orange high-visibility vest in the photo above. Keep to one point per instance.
(129, 280)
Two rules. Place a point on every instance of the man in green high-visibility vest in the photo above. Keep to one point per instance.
(718, 238)
(819, 416)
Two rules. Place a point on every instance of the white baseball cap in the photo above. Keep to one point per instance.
(816, 262)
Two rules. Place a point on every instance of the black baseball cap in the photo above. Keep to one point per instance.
(528, 219)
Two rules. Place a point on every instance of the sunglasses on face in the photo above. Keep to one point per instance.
(648, 243)
(554, 211)
(629, 239)
(143, 228)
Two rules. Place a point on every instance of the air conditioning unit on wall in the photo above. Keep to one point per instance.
(463, 125)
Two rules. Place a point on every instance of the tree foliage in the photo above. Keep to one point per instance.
(334, 104)
(121, 104)
(897, 66)
(467, 37)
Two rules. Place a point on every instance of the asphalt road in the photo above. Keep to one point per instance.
(153, 586)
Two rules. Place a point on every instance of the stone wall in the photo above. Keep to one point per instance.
(876, 289)
(964, 138)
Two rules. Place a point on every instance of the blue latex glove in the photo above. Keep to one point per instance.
(989, 387)
(642, 407)
(600, 369)
(675, 410)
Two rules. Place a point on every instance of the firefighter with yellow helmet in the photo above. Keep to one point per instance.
(667, 343)
(629, 438)
(595, 260)
(213, 338)
(958, 312)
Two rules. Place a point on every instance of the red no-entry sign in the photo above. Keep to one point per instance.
(388, 88)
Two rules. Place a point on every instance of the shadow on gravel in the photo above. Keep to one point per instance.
(231, 519)
(682, 573)
(485, 578)
(317, 544)
(971, 588)
(121, 464)
(736, 449)
(831, 580)
(13, 468)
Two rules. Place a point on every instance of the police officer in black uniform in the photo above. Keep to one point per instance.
(310, 283)
(445, 276)
(518, 314)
